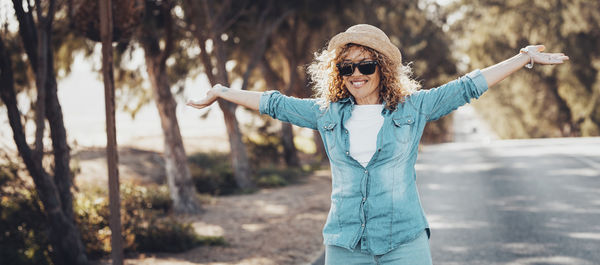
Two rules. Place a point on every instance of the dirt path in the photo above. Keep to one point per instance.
(270, 227)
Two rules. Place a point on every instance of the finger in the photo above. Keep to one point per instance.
(557, 60)
(189, 102)
(557, 54)
(195, 103)
(540, 47)
(198, 106)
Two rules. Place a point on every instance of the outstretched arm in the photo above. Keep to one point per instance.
(301, 112)
(497, 72)
(248, 99)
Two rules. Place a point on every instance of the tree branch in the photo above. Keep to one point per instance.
(273, 79)
(226, 24)
(27, 31)
(193, 10)
(8, 96)
(261, 45)
(169, 38)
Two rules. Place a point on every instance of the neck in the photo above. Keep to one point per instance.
(368, 101)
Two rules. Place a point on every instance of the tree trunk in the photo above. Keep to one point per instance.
(320, 152)
(64, 236)
(290, 153)
(112, 157)
(239, 153)
(273, 80)
(564, 116)
(179, 178)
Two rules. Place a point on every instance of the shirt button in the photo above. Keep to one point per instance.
(347, 153)
(366, 172)
(346, 131)
(364, 199)
(363, 225)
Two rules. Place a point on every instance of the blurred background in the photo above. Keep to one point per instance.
(251, 190)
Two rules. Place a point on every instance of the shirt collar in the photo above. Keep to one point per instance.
(350, 99)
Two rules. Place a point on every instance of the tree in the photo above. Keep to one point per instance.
(149, 24)
(417, 31)
(548, 102)
(212, 22)
(158, 27)
(106, 34)
(409, 24)
(290, 49)
(54, 190)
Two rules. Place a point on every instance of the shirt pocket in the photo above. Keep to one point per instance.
(329, 135)
(403, 128)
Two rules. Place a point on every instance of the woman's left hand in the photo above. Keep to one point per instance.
(539, 57)
(211, 97)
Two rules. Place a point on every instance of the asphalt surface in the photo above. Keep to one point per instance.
(512, 202)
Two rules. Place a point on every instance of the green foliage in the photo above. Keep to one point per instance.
(146, 221)
(212, 173)
(169, 235)
(548, 101)
(264, 142)
(22, 225)
(276, 176)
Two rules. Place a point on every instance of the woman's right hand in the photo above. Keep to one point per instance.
(211, 97)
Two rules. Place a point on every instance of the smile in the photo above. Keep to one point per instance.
(358, 83)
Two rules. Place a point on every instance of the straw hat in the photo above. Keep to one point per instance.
(370, 36)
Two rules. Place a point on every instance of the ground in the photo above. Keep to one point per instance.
(271, 226)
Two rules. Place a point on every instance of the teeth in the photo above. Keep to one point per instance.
(358, 83)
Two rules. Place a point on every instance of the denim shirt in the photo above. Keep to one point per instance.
(379, 204)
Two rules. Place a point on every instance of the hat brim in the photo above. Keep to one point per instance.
(367, 39)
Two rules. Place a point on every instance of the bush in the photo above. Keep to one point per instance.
(212, 173)
(22, 223)
(168, 235)
(275, 176)
(146, 222)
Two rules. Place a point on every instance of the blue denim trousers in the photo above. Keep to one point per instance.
(415, 252)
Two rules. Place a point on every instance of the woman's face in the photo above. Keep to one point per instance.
(364, 88)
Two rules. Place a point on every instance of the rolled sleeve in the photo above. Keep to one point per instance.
(300, 112)
(263, 106)
(440, 101)
(478, 84)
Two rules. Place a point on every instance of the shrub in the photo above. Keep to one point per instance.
(273, 176)
(212, 173)
(22, 223)
(169, 235)
(146, 222)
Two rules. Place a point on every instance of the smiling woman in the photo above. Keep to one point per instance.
(371, 117)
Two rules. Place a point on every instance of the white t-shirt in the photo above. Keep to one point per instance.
(363, 127)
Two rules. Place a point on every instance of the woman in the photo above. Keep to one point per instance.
(371, 117)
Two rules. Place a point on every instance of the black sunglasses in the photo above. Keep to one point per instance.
(364, 67)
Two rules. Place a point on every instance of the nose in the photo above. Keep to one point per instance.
(355, 71)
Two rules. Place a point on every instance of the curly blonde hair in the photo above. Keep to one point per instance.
(395, 83)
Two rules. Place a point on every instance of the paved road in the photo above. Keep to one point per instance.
(513, 202)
